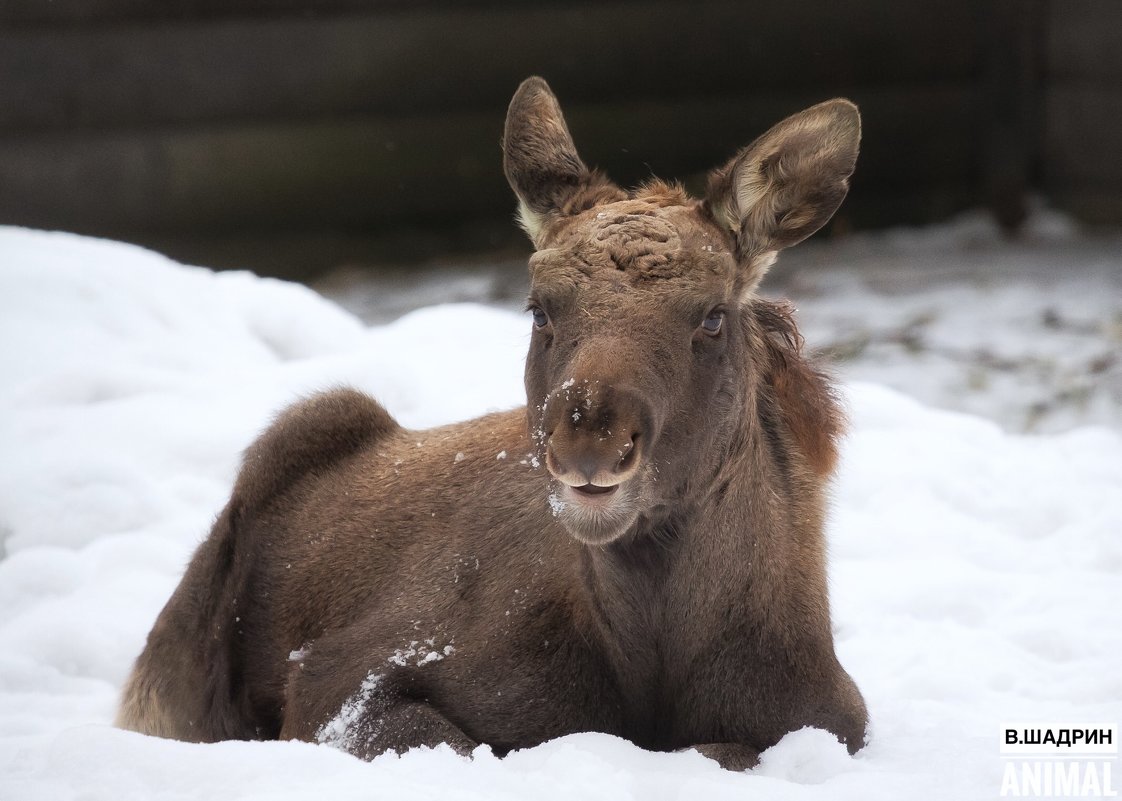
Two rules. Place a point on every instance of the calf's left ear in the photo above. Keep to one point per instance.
(787, 184)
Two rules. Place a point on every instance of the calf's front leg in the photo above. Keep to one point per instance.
(730, 756)
(398, 726)
(363, 716)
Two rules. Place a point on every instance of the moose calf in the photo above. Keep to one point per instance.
(639, 551)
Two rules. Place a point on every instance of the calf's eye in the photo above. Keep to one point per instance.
(711, 325)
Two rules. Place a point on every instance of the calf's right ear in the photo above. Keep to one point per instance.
(541, 161)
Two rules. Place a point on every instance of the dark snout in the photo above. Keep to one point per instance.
(596, 434)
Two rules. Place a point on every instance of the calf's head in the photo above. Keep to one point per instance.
(641, 355)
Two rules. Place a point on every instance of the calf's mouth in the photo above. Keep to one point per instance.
(593, 490)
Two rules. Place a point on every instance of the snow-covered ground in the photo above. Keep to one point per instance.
(976, 571)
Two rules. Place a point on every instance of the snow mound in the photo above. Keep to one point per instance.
(976, 574)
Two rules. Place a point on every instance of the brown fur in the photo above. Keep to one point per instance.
(638, 552)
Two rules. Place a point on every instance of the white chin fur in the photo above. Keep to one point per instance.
(592, 522)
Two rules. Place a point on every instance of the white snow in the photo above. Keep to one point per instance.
(420, 653)
(340, 730)
(976, 572)
(1027, 332)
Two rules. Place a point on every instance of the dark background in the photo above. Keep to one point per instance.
(294, 137)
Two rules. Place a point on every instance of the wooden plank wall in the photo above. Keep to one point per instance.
(1082, 135)
(288, 136)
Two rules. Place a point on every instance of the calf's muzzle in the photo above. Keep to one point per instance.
(595, 434)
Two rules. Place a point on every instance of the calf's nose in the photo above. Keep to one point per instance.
(597, 438)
